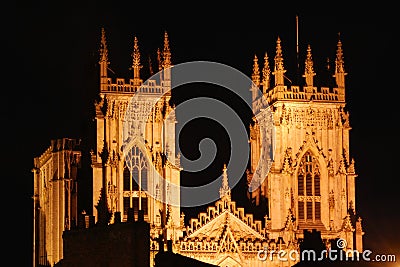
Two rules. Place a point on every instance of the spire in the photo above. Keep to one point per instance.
(266, 74)
(278, 56)
(309, 68)
(339, 65)
(136, 62)
(339, 58)
(103, 62)
(279, 70)
(225, 190)
(103, 48)
(136, 53)
(166, 52)
(255, 77)
(159, 59)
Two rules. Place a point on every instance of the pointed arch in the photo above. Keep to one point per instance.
(311, 144)
(135, 177)
(308, 183)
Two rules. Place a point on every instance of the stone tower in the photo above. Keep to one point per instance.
(311, 180)
(55, 196)
(135, 145)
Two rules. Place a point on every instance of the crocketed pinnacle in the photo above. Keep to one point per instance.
(103, 47)
(166, 52)
(339, 58)
(279, 56)
(225, 190)
(135, 54)
(255, 77)
(266, 73)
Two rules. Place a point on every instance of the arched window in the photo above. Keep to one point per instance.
(135, 173)
(308, 189)
(135, 178)
(127, 179)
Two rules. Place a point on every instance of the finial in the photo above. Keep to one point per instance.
(224, 169)
(256, 72)
(278, 56)
(266, 72)
(339, 58)
(351, 169)
(103, 47)
(225, 190)
(309, 62)
(309, 68)
(159, 59)
(136, 54)
(339, 66)
(279, 70)
(166, 52)
(136, 62)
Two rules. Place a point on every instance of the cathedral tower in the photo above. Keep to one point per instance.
(312, 175)
(306, 179)
(55, 197)
(127, 160)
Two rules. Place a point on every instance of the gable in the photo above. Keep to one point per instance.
(228, 261)
(214, 229)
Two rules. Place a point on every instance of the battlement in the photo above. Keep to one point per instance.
(122, 86)
(274, 83)
(306, 93)
(158, 85)
(56, 146)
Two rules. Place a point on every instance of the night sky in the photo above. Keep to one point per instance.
(51, 81)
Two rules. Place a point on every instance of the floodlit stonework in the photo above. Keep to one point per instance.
(55, 196)
(122, 173)
(225, 235)
(310, 183)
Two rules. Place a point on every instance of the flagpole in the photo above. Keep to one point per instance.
(297, 49)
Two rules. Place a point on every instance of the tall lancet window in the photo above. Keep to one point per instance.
(308, 189)
(135, 173)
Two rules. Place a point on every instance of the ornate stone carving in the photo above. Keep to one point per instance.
(351, 169)
(301, 117)
(331, 200)
(288, 162)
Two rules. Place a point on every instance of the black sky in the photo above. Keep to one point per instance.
(51, 80)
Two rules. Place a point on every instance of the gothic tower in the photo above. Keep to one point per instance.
(312, 176)
(55, 197)
(127, 160)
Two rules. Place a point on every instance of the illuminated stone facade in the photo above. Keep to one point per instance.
(312, 176)
(54, 199)
(310, 182)
(225, 235)
(125, 164)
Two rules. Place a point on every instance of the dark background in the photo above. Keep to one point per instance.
(50, 80)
